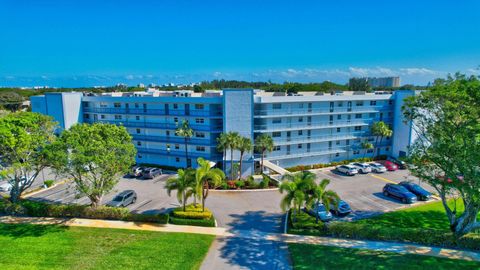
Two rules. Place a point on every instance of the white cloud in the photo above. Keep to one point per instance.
(418, 71)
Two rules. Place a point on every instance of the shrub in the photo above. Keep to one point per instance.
(158, 218)
(231, 184)
(223, 185)
(193, 222)
(239, 184)
(250, 182)
(48, 183)
(193, 216)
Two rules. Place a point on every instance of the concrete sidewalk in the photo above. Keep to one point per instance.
(403, 248)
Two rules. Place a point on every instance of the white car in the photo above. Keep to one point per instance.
(347, 169)
(362, 167)
(6, 187)
(377, 167)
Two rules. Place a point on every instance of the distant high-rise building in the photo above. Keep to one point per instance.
(384, 82)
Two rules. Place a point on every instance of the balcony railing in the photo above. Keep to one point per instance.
(299, 112)
(195, 127)
(161, 152)
(165, 139)
(140, 111)
(325, 138)
(312, 125)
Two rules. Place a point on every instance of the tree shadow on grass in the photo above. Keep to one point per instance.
(249, 248)
(29, 230)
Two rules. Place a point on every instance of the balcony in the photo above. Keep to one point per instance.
(319, 111)
(272, 156)
(139, 111)
(326, 138)
(313, 125)
(165, 139)
(170, 126)
(207, 155)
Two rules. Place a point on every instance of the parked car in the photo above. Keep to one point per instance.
(400, 163)
(319, 210)
(123, 199)
(343, 209)
(422, 194)
(362, 167)
(151, 173)
(377, 167)
(347, 169)
(7, 186)
(136, 171)
(390, 165)
(399, 192)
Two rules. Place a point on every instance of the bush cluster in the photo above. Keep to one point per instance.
(248, 183)
(319, 166)
(193, 216)
(48, 183)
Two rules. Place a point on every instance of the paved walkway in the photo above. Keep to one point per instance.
(255, 235)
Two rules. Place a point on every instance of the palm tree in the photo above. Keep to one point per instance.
(222, 146)
(183, 183)
(296, 186)
(320, 194)
(377, 131)
(263, 143)
(366, 146)
(204, 176)
(186, 132)
(386, 132)
(232, 141)
(244, 146)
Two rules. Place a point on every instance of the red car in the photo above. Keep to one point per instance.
(390, 165)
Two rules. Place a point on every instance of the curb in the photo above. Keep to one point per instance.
(33, 192)
(243, 190)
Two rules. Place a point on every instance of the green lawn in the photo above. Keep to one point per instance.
(59, 247)
(306, 256)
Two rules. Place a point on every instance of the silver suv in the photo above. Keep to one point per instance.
(151, 173)
(347, 169)
(124, 199)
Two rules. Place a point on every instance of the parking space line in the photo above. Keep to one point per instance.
(383, 178)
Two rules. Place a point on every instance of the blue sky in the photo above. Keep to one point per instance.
(76, 43)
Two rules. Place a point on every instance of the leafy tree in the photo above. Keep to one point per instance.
(222, 146)
(206, 176)
(94, 156)
(366, 146)
(446, 153)
(233, 139)
(296, 186)
(24, 137)
(198, 89)
(186, 132)
(10, 100)
(184, 183)
(263, 143)
(320, 194)
(358, 84)
(244, 146)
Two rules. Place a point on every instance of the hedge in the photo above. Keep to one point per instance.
(193, 222)
(193, 216)
(321, 165)
(349, 230)
(41, 209)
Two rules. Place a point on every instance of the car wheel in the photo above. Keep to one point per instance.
(385, 193)
(134, 200)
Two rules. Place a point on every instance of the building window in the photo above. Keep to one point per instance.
(137, 117)
(138, 131)
(337, 154)
(300, 105)
(340, 104)
(103, 104)
(199, 120)
(102, 116)
(199, 106)
(276, 148)
(86, 116)
(277, 106)
(117, 105)
(359, 103)
(370, 151)
(356, 152)
(339, 129)
(337, 142)
(167, 132)
(358, 128)
(300, 146)
(139, 143)
(136, 105)
(300, 132)
(139, 156)
(339, 117)
(177, 159)
(85, 104)
(387, 148)
(118, 117)
(277, 120)
(372, 115)
(199, 134)
(200, 148)
(175, 119)
(347, 142)
(300, 119)
(177, 146)
(175, 106)
(358, 116)
(371, 139)
(373, 103)
(276, 134)
(390, 102)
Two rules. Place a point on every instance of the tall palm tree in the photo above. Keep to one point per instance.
(263, 143)
(244, 146)
(296, 186)
(320, 194)
(183, 183)
(386, 132)
(232, 142)
(222, 146)
(366, 146)
(205, 176)
(185, 131)
(377, 131)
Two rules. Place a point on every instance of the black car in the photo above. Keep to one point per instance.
(421, 193)
(343, 209)
(399, 192)
(400, 163)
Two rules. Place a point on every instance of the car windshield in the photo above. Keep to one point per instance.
(118, 199)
